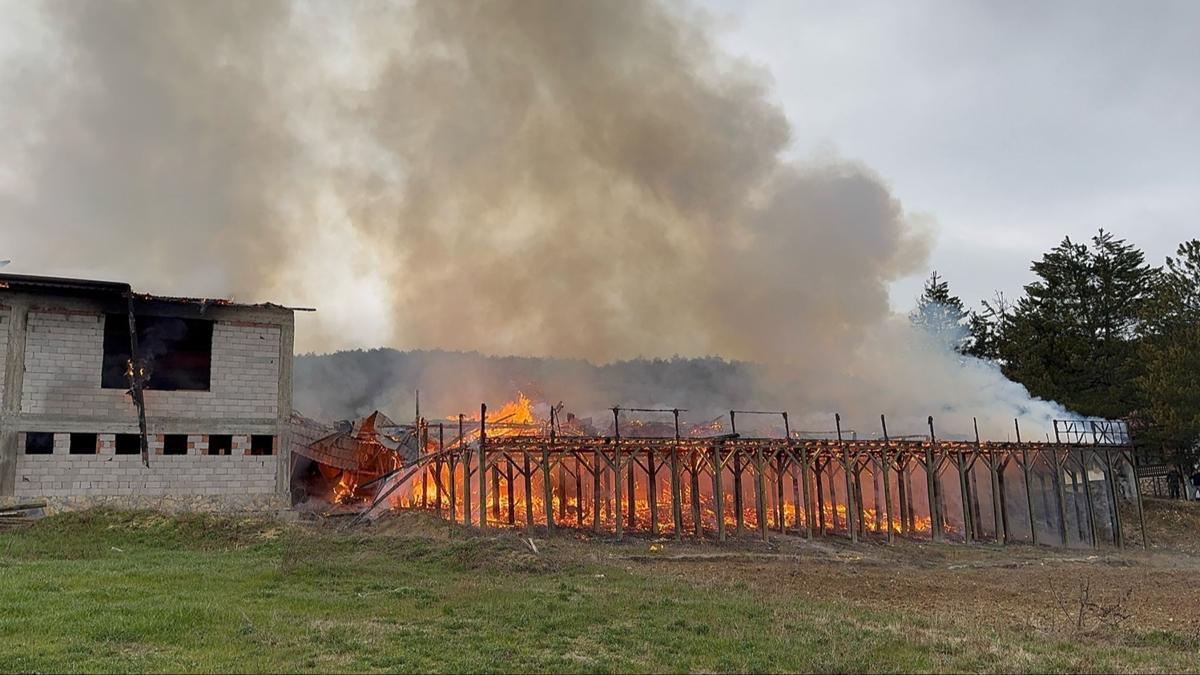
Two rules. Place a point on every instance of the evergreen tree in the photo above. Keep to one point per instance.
(1073, 337)
(1171, 354)
(941, 314)
(987, 328)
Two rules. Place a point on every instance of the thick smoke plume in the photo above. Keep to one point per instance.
(568, 179)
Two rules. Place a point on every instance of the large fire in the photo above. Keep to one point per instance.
(516, 494)
(529, 465)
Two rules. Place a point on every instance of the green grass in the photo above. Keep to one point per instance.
(105, 591)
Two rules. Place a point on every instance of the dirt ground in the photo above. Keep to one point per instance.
(989, 586)
(984, 584)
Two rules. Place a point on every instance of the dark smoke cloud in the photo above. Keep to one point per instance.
(553, 178)
(154, 152)
(593, 180)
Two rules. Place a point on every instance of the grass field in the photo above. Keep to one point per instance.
(109, 591)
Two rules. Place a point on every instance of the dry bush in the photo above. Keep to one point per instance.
(1085, 612)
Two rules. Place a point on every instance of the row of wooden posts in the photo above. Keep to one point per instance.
(521, 454)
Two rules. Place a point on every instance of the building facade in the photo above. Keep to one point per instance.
(217, 399)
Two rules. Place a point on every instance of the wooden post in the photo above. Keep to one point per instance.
(997, 490)
(495, 490)
(976, 509)
(908, 490)
(964, 490)
(760, 511)
(438, 470)
(808, 512)
(652, 490)
(820, 495)
(512, 492)
(694, 460)
(547, 486)
(796, 504)
(578, 491)
(1071, 487)
(631, 484)
(718, 491)
(738, 505)
(616, 468)
(453, 485)
(562, 488)
(482, 469)
(739, 502)
(876, 489)
(1115, 496)
(1001, 465)
(527, 474)
(1028, 492)
(886, 463)
(548, 489)
(1137, 493)
(860, 505)
(1087, 498)
(423, 439)
(1060, 498)
(597, 465)
(833, 512)
(466, 453)
(779, 494)
(932, 462)
(676, 506)
(851, 508)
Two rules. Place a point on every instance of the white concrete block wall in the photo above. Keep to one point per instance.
(65, 354)
(197, 445)
(245, 372)
(61, 475)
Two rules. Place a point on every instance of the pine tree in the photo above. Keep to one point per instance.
(941, 314)
(1171, 354)
(1073, 337)
(987, 328)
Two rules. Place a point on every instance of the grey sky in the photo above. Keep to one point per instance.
(1009, 124)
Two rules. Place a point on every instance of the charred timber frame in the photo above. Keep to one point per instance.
(827, 477)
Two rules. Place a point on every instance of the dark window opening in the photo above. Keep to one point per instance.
(175, 444)
(39, 443)
(177, 352)
(220, 444)
(262, 445)
(83, 444)
(129, 444)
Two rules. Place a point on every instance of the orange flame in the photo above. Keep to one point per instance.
(343, 491)
(513, 500)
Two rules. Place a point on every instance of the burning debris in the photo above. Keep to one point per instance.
(649, 473)
(355, 453)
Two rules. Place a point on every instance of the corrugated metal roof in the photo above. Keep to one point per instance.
(30, 282)
(359, 447)
(89, 287)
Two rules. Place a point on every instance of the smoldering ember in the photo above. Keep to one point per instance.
(569, 336)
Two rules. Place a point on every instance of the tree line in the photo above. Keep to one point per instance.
(1100, 331)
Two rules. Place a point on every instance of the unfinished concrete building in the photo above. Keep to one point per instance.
(120, 398)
